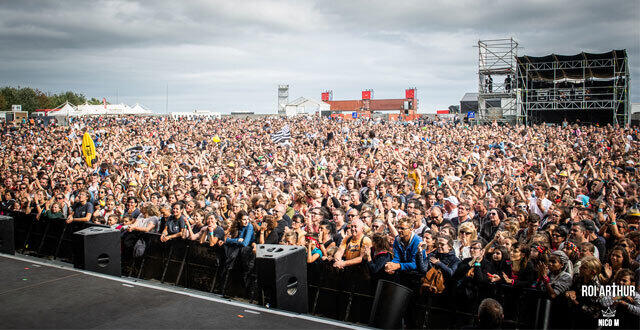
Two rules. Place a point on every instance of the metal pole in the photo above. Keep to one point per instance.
(547, 311)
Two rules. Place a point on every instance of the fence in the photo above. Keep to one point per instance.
(345, 295)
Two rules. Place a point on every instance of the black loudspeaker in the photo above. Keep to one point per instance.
(389, 305)
(97, 249)
(282, 274)
(7, 243)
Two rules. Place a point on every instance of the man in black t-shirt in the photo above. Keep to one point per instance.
(175, 226)
(82, 209)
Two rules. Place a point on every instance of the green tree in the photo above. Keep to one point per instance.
(3, 102)
(28, 99)
(95, 101)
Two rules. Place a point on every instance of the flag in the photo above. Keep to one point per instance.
(104, 101)
(283, 135)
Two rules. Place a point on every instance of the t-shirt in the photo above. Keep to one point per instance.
(81, 210)
(217, 233)
(353, 248)
(144, 222)
(174, 225)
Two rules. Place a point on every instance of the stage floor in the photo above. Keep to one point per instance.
(39, 294)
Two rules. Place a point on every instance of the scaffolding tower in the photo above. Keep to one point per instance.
(283, 99)
(498, 97)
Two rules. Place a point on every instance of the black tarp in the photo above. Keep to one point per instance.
(620, 57)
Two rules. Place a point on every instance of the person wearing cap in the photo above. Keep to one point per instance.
(451, 208)
(633, 218)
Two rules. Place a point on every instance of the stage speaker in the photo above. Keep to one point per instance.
(97, 249)
(390, 303)
(7, 242)
(282, 274)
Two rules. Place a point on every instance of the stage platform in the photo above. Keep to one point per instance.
(36, 293)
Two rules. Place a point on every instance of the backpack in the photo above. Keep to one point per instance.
(433, 281)
(139, 248)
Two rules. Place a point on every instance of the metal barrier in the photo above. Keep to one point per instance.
(345, 294)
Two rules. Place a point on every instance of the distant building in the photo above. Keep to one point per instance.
(195, 114)
(305, 106)
(469, 102)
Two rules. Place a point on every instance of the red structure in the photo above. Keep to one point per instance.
(405, 108)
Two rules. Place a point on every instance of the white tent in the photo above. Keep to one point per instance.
(303, 105)
(140, 110)
(67, 109)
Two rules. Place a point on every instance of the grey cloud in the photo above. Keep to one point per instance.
(229, 55)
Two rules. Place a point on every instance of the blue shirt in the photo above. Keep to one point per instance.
(246, 233)
(405, 254)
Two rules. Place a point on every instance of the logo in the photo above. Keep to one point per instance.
(608, 320)
(609, 313)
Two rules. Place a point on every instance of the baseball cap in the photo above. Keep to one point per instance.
(453, 200)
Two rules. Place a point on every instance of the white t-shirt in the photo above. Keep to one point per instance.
(144, 222)
(533, 206)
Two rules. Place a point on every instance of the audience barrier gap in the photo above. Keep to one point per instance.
(341, 294)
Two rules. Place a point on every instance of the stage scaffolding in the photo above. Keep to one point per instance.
(498, 97)
(581, 86)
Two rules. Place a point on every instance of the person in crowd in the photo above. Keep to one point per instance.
(211, 234)
(467, 233)
(627, 307)
(351, 249)
(490, 314)
(617, 259)
(378, 256)
(499, 266)
(554, 277)
(443, 258)
(405, 247)
(174, 226)
(314, 253)
(238, 247)
(489, 229)
(147, 220)
(83, 209)
(586, 308)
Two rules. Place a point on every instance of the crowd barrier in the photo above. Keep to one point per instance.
(345, 295)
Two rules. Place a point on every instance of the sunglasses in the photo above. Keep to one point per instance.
(465, 232)
(352, 215)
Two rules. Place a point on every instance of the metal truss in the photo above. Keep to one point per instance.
(614, 97)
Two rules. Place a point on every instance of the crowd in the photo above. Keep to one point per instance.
(548, 208)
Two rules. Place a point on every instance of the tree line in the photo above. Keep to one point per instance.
(32, 99)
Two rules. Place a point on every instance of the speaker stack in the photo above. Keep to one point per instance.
(97, 249)
(7, 243)
(282, 274)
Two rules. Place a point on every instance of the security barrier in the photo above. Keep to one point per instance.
(345, 295)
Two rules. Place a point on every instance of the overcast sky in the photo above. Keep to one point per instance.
(231, 55)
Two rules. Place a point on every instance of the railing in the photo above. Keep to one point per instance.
(345, 295)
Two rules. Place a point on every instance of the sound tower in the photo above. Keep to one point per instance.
(282, 274)
(7, 243)
(97, 249)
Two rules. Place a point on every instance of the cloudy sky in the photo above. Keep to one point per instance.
(231, 55)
